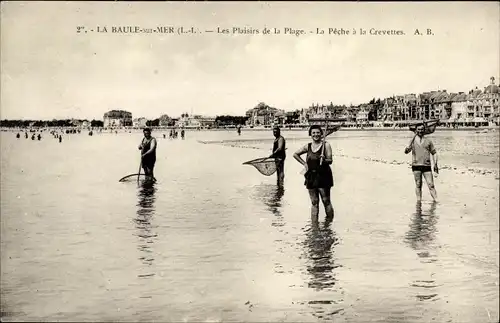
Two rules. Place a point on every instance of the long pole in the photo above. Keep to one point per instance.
(323, 147)
(139, 172)
(415, 136)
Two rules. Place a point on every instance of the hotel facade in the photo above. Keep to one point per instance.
(476, 106)
(264, 115)
(473, 107)
(117, 119)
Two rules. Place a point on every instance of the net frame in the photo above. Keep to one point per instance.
(328, 131)
(429, 126)
(266, 166)
(331, 129)
(133, 177)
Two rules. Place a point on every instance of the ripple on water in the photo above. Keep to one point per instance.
(211, 235)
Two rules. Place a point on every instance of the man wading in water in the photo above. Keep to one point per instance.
(422, 149)
(148, 153)
(279, 154)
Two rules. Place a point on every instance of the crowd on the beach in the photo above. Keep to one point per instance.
(38, 136)
(174, 133)
(56, 134)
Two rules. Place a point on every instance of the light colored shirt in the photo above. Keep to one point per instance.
(421, 152)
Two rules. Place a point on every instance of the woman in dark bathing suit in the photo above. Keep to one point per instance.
(318, 176)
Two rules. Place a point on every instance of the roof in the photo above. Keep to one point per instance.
(492, 88)
(474, 93)
(460, 97)
(445, 97)
(410, 97)
(435, 95)
(424, 96)
(118, 114)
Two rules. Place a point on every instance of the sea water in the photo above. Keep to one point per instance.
(214, 240)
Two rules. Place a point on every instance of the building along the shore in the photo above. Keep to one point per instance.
(117, 119)
(79, 123)
(443, 106)
(489, 102)
(264, 115)
(427, 105)
(475, 107)
(292, 117)
(196, 121)
(206, 121)
(458, 107)
(362, 115)
(303, 116)
(139, 122)
(165, 121)
(321, 114)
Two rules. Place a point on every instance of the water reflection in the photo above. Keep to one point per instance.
(145, 233)
(421, 237)
(271, 195)
(320, 268)
(320, 242)
(423, 231)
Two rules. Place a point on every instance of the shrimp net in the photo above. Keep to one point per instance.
(331, 129)
(136, 178)
(266, 166)
(429, 126)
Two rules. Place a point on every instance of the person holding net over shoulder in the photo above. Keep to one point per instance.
(422, 148)
(318, 175)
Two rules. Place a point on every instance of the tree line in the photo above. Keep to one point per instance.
(47, 123)
(224, 120)
(375, 106)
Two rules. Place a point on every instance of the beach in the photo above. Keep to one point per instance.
(214, 240)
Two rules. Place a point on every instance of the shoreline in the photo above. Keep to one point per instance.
(370, 129)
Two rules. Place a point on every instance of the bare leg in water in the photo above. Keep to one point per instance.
(418, 184)
(325, 197)
(280, 167)
(430, 183)
(314, 195)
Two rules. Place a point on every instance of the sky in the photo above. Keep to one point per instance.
(50, 71)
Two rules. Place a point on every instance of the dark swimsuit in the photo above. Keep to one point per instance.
(317, 176)
(422, 169)
(150, 159)
(280, 154)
